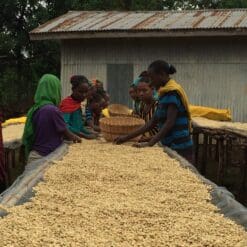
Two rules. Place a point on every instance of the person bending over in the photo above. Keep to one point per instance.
(148, 106)
(45, 127)
(172, 115)
(71, 107)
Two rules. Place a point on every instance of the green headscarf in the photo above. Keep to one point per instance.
(136, 81)
(48, 93)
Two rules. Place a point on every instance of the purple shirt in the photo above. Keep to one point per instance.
(48, 127)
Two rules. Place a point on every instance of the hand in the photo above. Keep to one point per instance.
(90, 136)
(76, 139)
(141, 145)
(135, 115)
(144, 139)
(119, 140)
(96, 128)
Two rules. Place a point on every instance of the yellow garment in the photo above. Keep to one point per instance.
(172, 85)
(105, 112)
(211, 113)
(20, 120)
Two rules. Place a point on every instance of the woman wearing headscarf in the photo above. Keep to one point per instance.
(45, 127)
(71, 107)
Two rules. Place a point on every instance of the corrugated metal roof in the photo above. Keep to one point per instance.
(109, 21)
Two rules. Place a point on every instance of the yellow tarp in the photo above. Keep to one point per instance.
(196, 111)
(210, 113)
(20, 120)
(200, 111)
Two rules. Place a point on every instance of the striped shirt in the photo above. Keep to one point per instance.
(136, 109)
(89, 114)
(147, 113)
(179, 137)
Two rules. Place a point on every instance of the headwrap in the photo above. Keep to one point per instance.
(136, 81)
(48, 93)
(69, 105)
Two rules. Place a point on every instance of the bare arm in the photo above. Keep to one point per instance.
(148, 126)
(70, 136)
(90, 123)
(172, 113)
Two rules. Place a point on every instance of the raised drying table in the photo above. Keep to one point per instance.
(221, 141)
(102, 194)
(13, 151)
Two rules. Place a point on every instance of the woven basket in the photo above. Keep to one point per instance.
(117, 110)
(113, 127)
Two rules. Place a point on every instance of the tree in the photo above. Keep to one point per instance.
(23, 62)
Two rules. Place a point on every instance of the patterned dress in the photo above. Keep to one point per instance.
(147, 113)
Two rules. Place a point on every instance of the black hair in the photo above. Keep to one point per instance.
(159, 66)
(145, 80)
(101, 91)
(76, 80)
(96, 97)
(144, 74)
(100, 83)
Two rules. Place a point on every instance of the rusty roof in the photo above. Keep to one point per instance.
(91, 22)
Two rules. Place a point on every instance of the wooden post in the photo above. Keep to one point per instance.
(217, 150)
(243, 190)
(13, 154)
(196, 146)
(205, 154)
(221, 161)
(210, 140)
(8, 163)
(228, 154)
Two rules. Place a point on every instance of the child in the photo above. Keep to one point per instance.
(97, 93)
(148, 106)
(45, 127)
(71, 107)
(133, 92)
(144, 74)
(134, 97)
(172, 115)
(95, 105)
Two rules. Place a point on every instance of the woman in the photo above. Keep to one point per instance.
(94, 93)
(71, 107)
(3, 173)
(172, 115)
(136, 100)
(148, 106)
(95, 106)
(45, 127)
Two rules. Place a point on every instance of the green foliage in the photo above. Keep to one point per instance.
(204, 4)
(23, 62)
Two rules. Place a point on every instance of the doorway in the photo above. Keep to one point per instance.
(119, 79)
